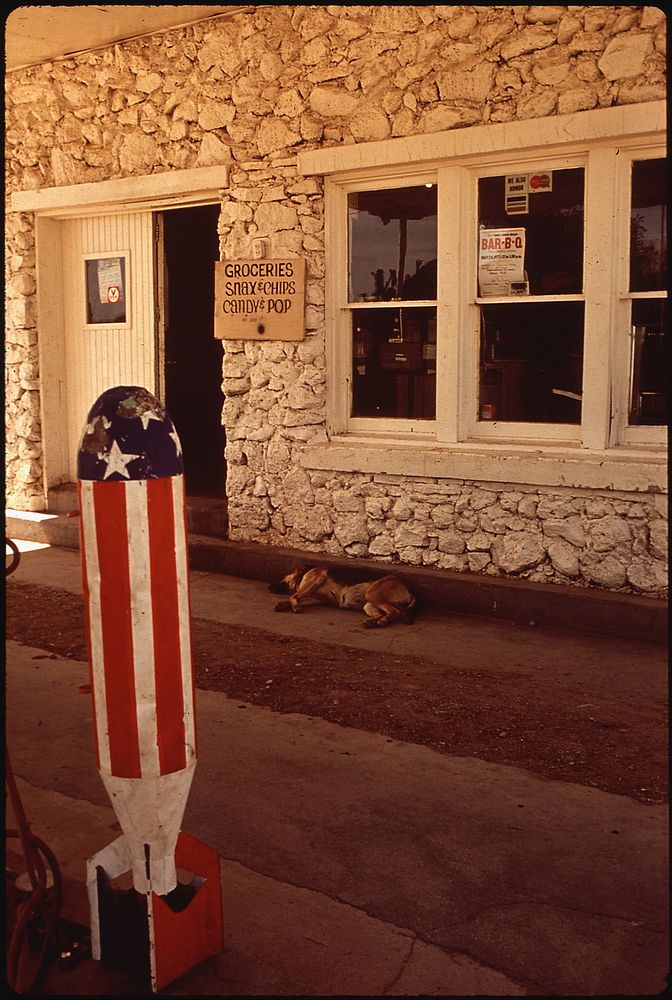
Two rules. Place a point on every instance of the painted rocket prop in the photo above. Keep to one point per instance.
(135, 586)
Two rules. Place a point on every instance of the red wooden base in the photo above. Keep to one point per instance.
(156, 937)
(183, 939)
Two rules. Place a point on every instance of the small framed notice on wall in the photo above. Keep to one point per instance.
(260, 299)
(106, 290)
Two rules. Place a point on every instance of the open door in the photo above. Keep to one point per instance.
(192, 357)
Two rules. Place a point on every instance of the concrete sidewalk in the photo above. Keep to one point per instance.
(353, 864)
(499, 598)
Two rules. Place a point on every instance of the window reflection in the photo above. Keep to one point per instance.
(650, 371)
(532, 362)
(394, 363)
(392, 244)
(650, 362)
(648, 226)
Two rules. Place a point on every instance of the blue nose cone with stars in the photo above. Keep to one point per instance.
(128, 436)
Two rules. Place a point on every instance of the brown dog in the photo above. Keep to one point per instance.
(383, 600)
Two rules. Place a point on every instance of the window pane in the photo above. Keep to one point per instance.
(549, 208)
(394, 363)
(531, 365)
(649, 402)
(392, 234)
(648, 226)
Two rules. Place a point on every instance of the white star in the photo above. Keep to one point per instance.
(147, 416)
(117, 461)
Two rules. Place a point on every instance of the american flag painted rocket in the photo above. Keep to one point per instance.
(136, 596)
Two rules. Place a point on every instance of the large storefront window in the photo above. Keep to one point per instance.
(650, 364)
(392, 259)
(530, 249)
(479, 294)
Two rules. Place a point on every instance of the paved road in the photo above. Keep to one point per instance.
(354, 864)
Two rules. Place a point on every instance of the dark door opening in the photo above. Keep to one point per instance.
(193, 358)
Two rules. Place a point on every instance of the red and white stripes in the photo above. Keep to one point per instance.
(136, 595)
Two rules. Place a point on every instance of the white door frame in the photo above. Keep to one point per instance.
(156, 193)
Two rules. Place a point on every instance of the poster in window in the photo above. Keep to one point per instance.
(501, 262)
(106, 290)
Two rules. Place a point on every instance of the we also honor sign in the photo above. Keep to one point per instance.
(260, 299)
(519, 187)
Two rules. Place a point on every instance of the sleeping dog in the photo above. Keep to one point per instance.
(383, 600)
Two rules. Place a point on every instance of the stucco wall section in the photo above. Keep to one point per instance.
(254, 89)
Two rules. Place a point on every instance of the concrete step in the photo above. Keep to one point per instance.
(205, 515)
(42, 528)
(62, 499)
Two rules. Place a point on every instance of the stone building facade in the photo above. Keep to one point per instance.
(260, 91)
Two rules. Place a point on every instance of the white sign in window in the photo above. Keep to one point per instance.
(501, 261)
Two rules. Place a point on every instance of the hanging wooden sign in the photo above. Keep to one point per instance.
(260, 299)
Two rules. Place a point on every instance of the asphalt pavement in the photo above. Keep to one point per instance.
(353, 864)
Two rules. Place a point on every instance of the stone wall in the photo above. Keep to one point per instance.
(254, 89)
(618, 543)
(23, 432)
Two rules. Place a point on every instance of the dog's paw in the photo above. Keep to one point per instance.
(283, 606)
(370, 623)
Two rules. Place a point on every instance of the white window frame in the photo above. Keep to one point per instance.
(602, 142)
(496, 430)
(622, 432)
(340, 398)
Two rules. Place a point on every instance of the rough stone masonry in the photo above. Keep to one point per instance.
(253, 89)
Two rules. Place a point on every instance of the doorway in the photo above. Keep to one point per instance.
(193, 357)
